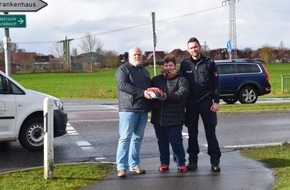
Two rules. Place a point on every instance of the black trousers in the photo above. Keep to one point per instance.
(195, 109)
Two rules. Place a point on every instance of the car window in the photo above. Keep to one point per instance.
(16, 89)
(226, 69)
(13, 90)
(248, 68)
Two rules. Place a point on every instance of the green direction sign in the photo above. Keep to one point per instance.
(12, 21)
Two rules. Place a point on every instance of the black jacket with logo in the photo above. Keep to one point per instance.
(202, 77)
(132, 81)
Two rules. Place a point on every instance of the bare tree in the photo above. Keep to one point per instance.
(248, 51)
(267, 54)
(91, 44)
(13, 47)
(281, 46)
(57, 49)
(74, 52)
(205, 49)
(111, 59)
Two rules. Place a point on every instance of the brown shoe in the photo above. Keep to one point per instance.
(138, 170)
(122, 173)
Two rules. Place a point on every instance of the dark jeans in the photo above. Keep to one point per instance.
(193, 111)
(173, 136)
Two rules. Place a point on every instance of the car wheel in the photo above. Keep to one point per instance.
(32, 134)
(230, 100)
(248, 95)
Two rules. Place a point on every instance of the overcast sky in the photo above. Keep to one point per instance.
(120, 25)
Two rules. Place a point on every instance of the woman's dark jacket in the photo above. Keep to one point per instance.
(170, 112)
(132, 81)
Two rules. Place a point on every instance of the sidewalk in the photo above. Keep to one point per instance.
(237, 173)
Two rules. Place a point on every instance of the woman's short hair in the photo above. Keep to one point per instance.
(169, 58)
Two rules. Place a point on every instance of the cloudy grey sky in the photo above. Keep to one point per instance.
(121, 25)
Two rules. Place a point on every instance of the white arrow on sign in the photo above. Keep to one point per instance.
(20, 21)
(21, 5)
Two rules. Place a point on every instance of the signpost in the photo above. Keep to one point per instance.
(12, 21)
(21, 5)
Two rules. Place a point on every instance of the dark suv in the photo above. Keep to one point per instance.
(242, 80)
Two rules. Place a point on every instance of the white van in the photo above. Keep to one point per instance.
(21, 114)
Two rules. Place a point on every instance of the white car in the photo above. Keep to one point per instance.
(21, 114)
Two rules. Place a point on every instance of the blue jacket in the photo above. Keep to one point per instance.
(132, 81)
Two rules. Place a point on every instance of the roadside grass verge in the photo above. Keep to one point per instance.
(254, 107)
(66, 177)
(276, 158)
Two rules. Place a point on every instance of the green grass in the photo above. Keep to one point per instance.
(66, 177)
(275, 71)
(276, 158)
(102, 84)
(254, 107)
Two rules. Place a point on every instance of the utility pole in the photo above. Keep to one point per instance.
(232, 25)
(66, 52)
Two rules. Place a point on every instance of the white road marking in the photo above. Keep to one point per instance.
(185, 135)
(83, 144)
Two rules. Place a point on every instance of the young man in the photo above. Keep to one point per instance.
(133, 101)
(202, 76)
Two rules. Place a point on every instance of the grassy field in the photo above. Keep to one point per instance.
(102, 84)
(275, 72)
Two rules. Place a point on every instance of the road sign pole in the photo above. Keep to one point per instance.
(154, 41)
(6, 44)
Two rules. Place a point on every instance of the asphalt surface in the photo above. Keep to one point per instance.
(237, 173)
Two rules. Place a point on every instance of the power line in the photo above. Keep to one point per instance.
(129, 27)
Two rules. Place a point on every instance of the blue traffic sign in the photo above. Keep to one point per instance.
(229, 46)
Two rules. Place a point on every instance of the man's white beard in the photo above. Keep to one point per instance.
(137, 63)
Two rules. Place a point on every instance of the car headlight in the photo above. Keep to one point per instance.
(58, 104)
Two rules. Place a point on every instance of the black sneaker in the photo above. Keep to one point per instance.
(215, 168)
(191, 166)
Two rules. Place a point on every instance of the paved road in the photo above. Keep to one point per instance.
(92, 135)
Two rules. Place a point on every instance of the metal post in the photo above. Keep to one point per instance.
(6, 44)
(282, 84)
(48, 138)
(154, 41)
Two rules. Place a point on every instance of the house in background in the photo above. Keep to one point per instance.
(283, 55)
(19, 61)
(90, 61)
(159, 56)
(179, 55)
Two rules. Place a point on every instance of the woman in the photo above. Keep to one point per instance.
(168, 114)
